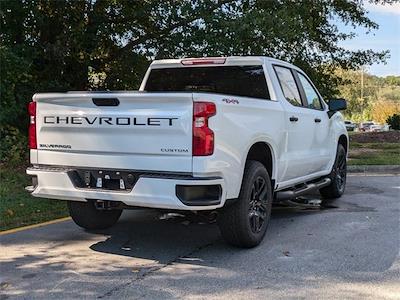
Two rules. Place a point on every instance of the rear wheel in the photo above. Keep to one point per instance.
(338, 176)
(245, 222)
(87, 216)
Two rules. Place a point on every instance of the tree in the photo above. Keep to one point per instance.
(108, 44)
(358, 107)
(382, 110)
(372, 98)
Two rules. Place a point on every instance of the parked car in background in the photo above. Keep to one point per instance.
(379, 128)
(371, 126)
(350, 126)
(365, 126)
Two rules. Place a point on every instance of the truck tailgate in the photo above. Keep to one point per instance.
(133, 131)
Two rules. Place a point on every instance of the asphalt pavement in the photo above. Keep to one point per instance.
(348, 250)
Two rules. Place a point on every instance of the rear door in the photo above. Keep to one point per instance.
(299, 156)
(135, 131)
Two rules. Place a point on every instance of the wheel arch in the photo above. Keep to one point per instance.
(262, 151)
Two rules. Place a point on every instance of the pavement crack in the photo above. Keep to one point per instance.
(147, 271)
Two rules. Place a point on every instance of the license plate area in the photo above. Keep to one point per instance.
(113, 180)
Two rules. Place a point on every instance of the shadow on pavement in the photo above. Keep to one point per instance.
(149, 237)
(305, 249)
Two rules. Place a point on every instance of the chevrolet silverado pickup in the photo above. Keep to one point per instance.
(228, 135)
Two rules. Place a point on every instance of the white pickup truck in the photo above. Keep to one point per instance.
(226, 134)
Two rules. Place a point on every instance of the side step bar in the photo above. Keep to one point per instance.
(291, 194)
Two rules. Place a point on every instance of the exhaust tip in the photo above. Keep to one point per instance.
(29, 188)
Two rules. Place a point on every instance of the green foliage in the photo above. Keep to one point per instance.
(18, 208)
(108, 44)
(369, 97)
(394, 121)
(15, 91)
(392, 80)
(15, 87)
(13, 146)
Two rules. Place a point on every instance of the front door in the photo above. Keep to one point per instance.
(317, 116)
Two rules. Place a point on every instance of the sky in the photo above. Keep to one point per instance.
(387, 37)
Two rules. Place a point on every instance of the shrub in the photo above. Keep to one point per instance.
(13, 146)
(394, 121)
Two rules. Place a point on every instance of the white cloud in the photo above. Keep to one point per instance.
(380, 8)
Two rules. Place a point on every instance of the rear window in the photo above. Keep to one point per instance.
(288, 85)
(246, 81)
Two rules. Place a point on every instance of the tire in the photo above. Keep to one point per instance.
(338, 177)
(245, 222)
(88, 217)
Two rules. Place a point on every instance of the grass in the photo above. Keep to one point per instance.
(18, 208)
(374, 153)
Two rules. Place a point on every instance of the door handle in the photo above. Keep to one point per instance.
(105, 101)
(293, 119)
(317, 120)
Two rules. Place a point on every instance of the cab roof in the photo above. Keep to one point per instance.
(216, 61)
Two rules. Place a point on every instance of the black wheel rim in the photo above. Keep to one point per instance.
(258, 205)
(340, 171)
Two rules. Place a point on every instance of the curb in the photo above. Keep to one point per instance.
(17, 229)
(375, 169)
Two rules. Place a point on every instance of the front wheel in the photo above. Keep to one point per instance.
(87, 216)
(245, 222)
(337, 176)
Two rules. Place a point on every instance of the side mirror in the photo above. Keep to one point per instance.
(336, 105)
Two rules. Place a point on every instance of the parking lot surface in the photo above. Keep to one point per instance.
(349, 250)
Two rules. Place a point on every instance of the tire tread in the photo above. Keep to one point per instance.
(332, 191)
(231, 222)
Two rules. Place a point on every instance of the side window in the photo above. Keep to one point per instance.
(288, 85)
(312, 97)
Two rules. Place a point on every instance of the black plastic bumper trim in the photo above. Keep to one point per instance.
(199, 195)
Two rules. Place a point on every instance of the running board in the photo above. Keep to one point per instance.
(291, 194)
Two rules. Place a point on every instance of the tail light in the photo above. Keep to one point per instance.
(32, 125)
(203, 136)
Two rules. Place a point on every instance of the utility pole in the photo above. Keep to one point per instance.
(362, 83)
